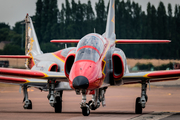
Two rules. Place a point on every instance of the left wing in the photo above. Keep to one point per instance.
(155, 76)
(59, 76)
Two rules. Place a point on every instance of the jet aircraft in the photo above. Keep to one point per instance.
(88, 69)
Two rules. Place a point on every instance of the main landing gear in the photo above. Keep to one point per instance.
(55, 97)
(27, 102)
(97, 97)
(141, 101)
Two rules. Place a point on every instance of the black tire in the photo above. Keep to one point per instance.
(138, 107)
(92, 106)
(29, 106)
(146, 97)
(58, 105)
(85, 111)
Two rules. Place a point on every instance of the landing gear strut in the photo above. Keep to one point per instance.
(27, 102)
(93, 104)
(55, 98)
(141, 101)
(84, 106)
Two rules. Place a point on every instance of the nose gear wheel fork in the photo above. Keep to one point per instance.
(84, 106)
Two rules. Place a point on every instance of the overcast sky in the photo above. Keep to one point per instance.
(12, 11)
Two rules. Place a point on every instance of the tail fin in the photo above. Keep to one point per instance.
(110, 25)
(32, 47)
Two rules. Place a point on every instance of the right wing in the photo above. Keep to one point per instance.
(59, 76)
(18, 81)
(38, 83)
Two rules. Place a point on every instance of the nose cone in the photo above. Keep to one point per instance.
(80, 82)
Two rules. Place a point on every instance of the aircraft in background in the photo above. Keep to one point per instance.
(90, 68)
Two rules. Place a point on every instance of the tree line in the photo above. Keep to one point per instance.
(76, 19)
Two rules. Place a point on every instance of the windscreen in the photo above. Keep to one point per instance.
(90, 47)
(87, 54)
(92, 40)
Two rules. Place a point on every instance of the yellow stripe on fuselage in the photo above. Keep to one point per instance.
(58, 57)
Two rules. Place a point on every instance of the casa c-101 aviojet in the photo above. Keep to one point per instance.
(89, 69)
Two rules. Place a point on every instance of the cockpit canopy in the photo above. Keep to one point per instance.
(90, 47)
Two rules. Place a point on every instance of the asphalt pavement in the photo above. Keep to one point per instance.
(163, 103)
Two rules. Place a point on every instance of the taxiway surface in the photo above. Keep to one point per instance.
(163, 103)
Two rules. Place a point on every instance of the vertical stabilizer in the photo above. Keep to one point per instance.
(110, 25)
(32, 47)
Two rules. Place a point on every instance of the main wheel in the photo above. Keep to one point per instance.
(28, 106)
(138, 107)
(58, 105)
(85, 111)
(146, 97)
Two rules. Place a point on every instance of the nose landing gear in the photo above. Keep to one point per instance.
(84, 106)
(93, 104)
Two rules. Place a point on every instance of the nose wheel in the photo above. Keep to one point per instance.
(97, 97)
(85, 111)
(84, 106)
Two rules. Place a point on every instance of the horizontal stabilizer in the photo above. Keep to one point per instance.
(65, 41)
(15, 56)
(134, 41)
(59, 76)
